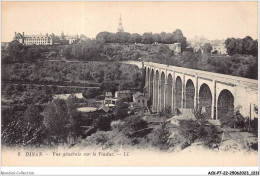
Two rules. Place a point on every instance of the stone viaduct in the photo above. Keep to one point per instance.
(217, 94)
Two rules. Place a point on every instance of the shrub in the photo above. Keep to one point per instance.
(160, 137)
(190, 130)
(134, 126)
(254, 126)
(121, 109)
(101, 137)
(90, 93)
(166, 112)
(117, 125)
(193, 131)
(201, 117)
(103, 122)
(176, 139)
(233, 120)
(211, 137)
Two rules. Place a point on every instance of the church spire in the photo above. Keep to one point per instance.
(120, 20)
(120, 27)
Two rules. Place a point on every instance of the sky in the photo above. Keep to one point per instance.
(213, 20)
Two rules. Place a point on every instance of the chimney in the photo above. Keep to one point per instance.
(23, 34)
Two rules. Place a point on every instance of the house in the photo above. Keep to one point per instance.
(124, 94)
(108, 95)
(140, 100)
(109, 100)
(66, 96)
(105, 109)
(68, 39)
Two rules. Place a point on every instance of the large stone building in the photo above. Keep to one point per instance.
(45, 39)
(120, 27)
(34, 39)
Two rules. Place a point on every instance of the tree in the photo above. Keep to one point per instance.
(166, 112)
(90, 93)
(22, 127)
(122, 37)
(179, 37)
(252, 71)
(98, 75)
(15, 50)
(74, 116)
(22, 134)
(157, 38)
(103, 122)
(68, 52)
(133, 126)
(26, 98)
(32, 116)
(138, 80)
(104, 35)
(160, 137)
(42, 97)
(32, 54)
(147, 38)
(253, 47)
(109, 87)
(207, 47)
(242, 46)
(135, 38)
(167, 38)
(56, 119)
(121, 109)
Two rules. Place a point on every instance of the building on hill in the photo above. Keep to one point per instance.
(68, 39)
(176, 47)
(124, 94)
(139, 100)
(109, 100)
(120, 27)
(105, 109)
(34, 39)
(219, 48)
(108, 95)
(48, 39)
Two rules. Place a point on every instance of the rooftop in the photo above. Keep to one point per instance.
(87, 109)
(66, 96)
(137, 94)
(108, 94)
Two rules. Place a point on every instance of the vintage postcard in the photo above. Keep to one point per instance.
(129, 83)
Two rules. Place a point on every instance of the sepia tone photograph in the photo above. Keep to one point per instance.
(129, 83)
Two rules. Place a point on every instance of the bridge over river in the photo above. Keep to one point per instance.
(217, 94)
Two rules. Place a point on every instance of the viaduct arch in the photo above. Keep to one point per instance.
(216, 94)
(190, 94)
